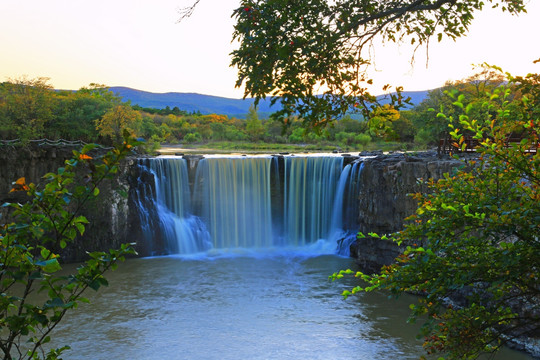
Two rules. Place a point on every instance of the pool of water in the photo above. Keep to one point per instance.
(239, 306)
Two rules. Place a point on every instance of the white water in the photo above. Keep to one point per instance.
(250, 202)
(236, 199)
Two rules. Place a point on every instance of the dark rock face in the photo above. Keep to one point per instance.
(384, 202)
(111, 219)
(372, 253)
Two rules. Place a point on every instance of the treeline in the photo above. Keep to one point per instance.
(32, 109)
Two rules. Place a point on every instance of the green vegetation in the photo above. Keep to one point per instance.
(31, 109)
(474, 240)
(35, 293)
(473, 245)
(313, 56)
(478, 231)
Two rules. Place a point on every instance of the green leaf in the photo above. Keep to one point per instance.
(80, 227)
(49, 266)
(55, 302)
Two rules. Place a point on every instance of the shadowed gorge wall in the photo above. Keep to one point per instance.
(111, 222)
(384, 203)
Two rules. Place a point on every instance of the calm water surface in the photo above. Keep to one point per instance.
(239, 306)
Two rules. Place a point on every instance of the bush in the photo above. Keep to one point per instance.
(473, 244)
(192, 138)
(297, 136)
(362, 139)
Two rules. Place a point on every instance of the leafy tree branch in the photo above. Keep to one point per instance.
(472, 247)
(310, 55)
(35, 295)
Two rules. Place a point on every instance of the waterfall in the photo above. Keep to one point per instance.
(336, 225)
(181, 231)
(310, 187)
(235, 194)
(249, 202)
(345, 210)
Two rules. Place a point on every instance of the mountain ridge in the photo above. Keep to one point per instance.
(211, 104)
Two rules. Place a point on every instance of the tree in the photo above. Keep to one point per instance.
(49, 220)
(100, 91)
(474, 88)
(473, 245)
(403, 128)
(312, 55)
(76, 113)
(381, 120)
(26, 107)
(119, 118)
(254, 126)
(424, 116)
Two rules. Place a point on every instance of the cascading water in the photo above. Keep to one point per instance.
(236, 201)
(345, 211)
(181, 231)
(310, 187)
(251, 202)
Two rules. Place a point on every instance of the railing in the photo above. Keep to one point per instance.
(48, 142)
(449, 145)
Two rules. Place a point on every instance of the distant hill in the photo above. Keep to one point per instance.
(416, 96)
(208, 104)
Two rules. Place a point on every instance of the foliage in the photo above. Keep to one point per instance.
(31, 109)
(363, 139)
(474, 90)
(473, 243)
(35, 293)
(73, 115)
(25, 107)
(117, 120)
(381, 119)
(313, 56)
(254, 126)
(193, 137)
(404, 130)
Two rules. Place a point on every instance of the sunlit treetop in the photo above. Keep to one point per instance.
(312, 55)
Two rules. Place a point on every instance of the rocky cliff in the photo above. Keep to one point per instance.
(386, 182)
(110, 215)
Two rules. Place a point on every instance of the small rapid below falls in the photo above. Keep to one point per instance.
(259, 202)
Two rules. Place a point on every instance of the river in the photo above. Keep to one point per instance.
(239, 305)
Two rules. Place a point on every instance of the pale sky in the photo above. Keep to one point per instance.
(138, 44)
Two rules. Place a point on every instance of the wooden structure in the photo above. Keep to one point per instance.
(447, 145)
